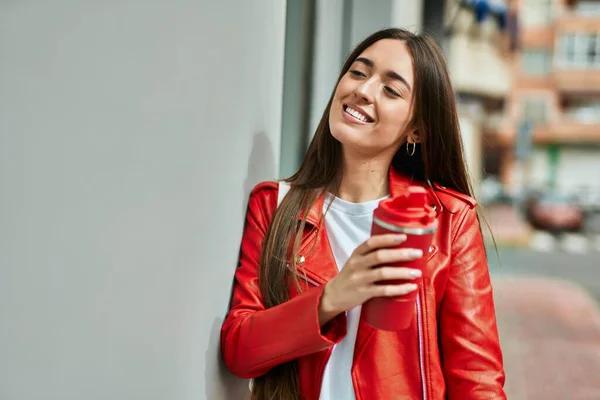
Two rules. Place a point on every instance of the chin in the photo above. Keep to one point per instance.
(349, 136)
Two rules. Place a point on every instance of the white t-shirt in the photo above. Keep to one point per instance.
(347, 225)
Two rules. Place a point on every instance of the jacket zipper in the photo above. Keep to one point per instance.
(307, 279)
(421, 356)
(303, 276)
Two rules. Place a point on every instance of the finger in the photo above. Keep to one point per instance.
(390, 256)
(392, 290)
(391, 273)
(379, 241)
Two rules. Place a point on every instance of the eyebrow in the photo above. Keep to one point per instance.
(390, 74)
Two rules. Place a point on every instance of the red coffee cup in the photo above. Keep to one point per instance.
(412, 215)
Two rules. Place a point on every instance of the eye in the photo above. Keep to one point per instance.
(391, 91)
(357, 73)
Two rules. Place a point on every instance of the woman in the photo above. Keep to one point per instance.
(306, 266)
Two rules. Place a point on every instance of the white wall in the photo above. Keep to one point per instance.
(130, 135)
(407, 14)
(328, 57)
(367, 17)
(298, 58)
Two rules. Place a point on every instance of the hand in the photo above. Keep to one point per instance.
(357, 281)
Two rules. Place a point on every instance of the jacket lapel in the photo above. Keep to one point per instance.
(315, 258)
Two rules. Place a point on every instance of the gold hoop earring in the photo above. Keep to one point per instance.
(409, 151)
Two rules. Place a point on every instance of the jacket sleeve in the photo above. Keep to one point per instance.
(255, 339)
(470, 348)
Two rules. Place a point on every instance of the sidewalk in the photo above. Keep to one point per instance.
(550, 334)
(508, 226)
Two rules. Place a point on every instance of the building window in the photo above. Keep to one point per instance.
(536, 62)
(535, 110)
(578, 51)
(583, 110)
(536, 13)
(587, 8)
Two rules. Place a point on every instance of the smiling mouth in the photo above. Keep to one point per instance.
(357, 114)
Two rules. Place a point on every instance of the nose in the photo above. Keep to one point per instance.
(366, 90)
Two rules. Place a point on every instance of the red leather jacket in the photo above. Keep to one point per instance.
(451, 351)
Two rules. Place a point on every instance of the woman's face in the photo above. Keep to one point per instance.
(372, 102)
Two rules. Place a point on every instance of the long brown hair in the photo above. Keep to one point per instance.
(438, 158)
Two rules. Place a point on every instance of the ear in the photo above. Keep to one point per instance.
(413, 137)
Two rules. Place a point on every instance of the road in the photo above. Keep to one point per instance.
(582, 269)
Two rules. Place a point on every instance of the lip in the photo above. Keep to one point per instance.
(360, 110)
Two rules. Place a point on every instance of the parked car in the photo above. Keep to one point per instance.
(555, 212)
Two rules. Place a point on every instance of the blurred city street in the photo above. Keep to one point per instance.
(580, 269)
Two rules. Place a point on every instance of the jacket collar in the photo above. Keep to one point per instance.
(398, 184)
(315, 214)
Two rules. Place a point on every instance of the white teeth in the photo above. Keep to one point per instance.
(356, 114)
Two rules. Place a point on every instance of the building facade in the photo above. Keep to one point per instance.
(553, 108)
